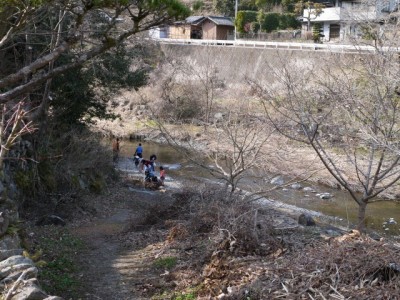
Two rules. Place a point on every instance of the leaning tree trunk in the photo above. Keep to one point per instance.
(362, 207)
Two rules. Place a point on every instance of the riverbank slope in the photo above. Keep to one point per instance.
(152, 244)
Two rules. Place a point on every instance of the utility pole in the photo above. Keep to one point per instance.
(236, 10)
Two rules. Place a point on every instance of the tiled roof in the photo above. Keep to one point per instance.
(197, 20)
(194, 19)
(219, 20)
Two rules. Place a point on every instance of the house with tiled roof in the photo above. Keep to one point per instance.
(202, 27)
(218, 28)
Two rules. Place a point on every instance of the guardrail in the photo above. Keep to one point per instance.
(279, 45)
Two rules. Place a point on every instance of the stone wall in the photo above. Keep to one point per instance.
(18, 274)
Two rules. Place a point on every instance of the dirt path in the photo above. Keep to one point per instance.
(119, 259)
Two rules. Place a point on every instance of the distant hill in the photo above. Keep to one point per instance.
(201, 7)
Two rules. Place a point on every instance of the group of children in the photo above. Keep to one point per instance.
(148, 166)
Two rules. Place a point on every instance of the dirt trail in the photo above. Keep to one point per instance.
(118, 260)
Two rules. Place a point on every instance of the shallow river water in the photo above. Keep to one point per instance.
(381, 216)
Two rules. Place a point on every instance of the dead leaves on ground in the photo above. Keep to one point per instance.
(348, 267)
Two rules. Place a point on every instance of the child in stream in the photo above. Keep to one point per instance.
(139, 151)
(147, 167)
(115, 149)
(162, 175)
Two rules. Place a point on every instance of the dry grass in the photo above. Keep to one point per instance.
(240, 256)
(353, 269)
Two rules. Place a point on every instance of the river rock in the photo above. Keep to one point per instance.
(296, 186)
(15, 260)
(10, 274)
(325, 196)
(391, 221)
(306, 220)
(308, 189)
(31, 292)
(277, 180)
(394, 267)
(4, 254)
(32, 281)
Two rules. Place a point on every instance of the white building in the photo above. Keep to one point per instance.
(342, 19)
(161, 32)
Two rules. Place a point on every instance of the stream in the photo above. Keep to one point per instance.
(381, 216)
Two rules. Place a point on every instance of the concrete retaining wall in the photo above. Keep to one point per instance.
(234, 64)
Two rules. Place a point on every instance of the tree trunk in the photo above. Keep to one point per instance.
(361, 216)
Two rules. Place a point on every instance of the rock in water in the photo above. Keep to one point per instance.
(296, 186)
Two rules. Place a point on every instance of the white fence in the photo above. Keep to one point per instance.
(279, 45)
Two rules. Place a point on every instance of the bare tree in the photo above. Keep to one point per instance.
(13, 125)
(190, 88)
(237, 148)
(236, 142)
(348, 111)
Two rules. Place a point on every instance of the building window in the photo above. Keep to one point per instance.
(334, 31)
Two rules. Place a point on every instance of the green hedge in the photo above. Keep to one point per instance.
(288, 20)
(270, 21)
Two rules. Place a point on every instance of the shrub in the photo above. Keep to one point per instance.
(230, 220)
(255, 26)
(244, 17)
(288, 20)
(271, 22)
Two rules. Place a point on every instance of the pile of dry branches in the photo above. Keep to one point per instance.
(348, 267)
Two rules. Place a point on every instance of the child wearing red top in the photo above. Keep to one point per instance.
(162, 175)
